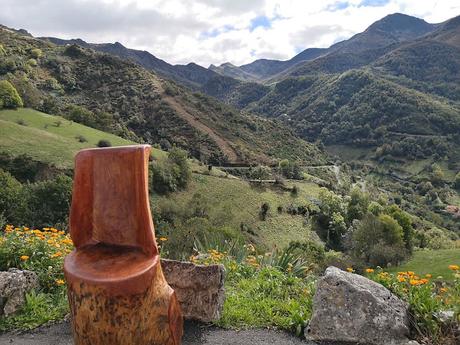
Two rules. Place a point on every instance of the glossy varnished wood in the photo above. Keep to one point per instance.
(117, 292)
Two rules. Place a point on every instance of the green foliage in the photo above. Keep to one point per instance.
(261, 172)
(330, 221)
(172, 173)
(36, 53)
(267, 298)
(9, 97)
(378, 241)
(41, 251)
(49, 201)
(12, 198)
(290, 169)
(39, 309)
(104, 143)
(375, 208)
(357, 205)
(2, 50)
(405, 221)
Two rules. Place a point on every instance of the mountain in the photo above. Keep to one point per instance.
(191, 75)
(392, 29)
(264, 68)
(136, 103)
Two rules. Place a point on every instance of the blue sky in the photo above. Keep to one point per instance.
(214, 31)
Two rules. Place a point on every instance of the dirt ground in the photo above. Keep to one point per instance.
(194, 334)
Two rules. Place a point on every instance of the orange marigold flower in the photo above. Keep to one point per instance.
(369, 270)
(454, 267)
(60, 282)
(24, 257)
(401, 279)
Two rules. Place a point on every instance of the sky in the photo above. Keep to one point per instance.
(213, 31)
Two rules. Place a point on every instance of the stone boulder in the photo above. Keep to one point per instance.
(200, 289)
(14, 284)
(351, 309)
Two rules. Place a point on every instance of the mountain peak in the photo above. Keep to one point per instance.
(399, 22)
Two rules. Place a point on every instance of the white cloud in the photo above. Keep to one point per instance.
(212, 31)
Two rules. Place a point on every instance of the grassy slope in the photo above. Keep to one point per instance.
(233, 201)
(41, 139)
(434, 262)
(237, 202)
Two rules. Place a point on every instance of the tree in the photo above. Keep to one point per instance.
(378, 241)
(330, 220)
(358, 204)
(404, 220)
(9, 96)
(171, 174)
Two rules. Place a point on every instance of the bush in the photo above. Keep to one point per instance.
(264, 208)
(290, 169)
(49, 201)
(378, 241)
(36, 53)
(104, 143)
(171, 174)
(9, 96)
(12, 200)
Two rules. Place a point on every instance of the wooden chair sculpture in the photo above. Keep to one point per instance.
(117, 292)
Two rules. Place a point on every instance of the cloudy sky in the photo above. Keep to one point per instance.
(213, 31)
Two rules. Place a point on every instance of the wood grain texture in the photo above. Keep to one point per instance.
(117, 291)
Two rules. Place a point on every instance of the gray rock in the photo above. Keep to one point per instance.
(200, 289)
(13, 286)
(351, 309)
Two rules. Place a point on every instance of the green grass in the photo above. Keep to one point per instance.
(234, 201)
(267, 298)
(434, 262)
(42, 139)
(38, 309)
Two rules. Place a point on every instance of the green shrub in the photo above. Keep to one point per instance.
(48, 201)
(9, 97)
(104, 143)
(12, 198)
(2, 50)
(171, 174)
(36, 53)
(378, 241)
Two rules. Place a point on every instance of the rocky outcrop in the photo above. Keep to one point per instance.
(199, 289)
(352, 309)
(13, 286)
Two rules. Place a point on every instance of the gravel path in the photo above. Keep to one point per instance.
(60, 334)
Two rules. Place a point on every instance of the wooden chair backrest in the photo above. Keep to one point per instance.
(110, 201)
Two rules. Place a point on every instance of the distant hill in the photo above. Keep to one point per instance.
(141, 104)
(191, 75)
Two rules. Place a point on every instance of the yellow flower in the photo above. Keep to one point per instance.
(443, 290)
(56, 255)
(454, 267)
(163, 239)
(350, 269)
(60, 282)
(24, 258)
(413, 282)
(428, 276)
(369, 270)
(401, 279)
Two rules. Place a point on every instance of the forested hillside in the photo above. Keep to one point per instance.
(116, 95)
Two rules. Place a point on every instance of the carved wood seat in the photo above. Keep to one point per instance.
(117, 291)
